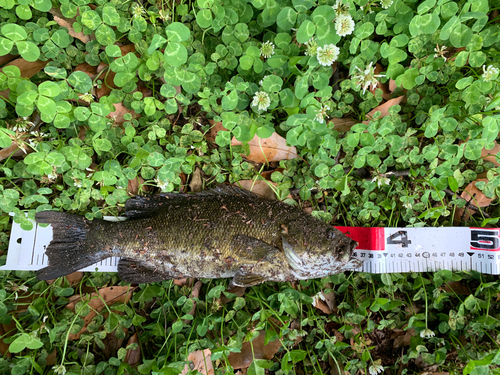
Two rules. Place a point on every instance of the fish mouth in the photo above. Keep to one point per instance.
(348, 250)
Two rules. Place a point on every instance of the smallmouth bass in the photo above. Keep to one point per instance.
(224, 232)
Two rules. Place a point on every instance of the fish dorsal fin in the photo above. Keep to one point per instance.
(142, 206)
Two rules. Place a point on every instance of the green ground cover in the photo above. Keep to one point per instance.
(390, 107)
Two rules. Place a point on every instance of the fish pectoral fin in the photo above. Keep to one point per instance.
(291, 256)
(251, 249)
(136, 272)
(245, 278)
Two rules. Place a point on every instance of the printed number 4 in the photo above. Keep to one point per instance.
(404, 241)
(484, 239)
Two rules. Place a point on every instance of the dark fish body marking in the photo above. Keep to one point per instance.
(225, 232)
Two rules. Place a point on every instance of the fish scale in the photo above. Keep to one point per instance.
(225, 232)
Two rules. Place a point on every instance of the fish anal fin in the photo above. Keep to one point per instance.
(243, 278)
(136, 272)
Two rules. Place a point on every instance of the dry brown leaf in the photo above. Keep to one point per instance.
(404, 338)
(457, 287)
(52, 358)
(6, 58)
(110, 295)
(134, 185)
(120, 110)
(237, 290)
(133, 357)
(112, 343)
(267, 174)
(185, 281)
(201, 362)
(392, 85)
(308, 209)
(195, 293)
(336, 367)
(67, 23)
(28, 69)
(269, 149)
(384, 108)
(13, 150)
(490, 155)
(383, 86)
(4, 348)
(343, 124)
(320, 305)
(216, 127)
(196, 183)
(88, 69)
(260, 351)
(107, 76)
(326, 302)
(74, 278)
(259, 187)
(479, 200)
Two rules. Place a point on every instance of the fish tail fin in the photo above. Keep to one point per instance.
(69, 249)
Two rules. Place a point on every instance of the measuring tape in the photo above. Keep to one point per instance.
(390, 250)
(382, 250)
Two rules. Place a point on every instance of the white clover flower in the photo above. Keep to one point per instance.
(20, 128)
(490, 73)
(367, 77)
(86, 97)
(33, 143)
(162, 185)
(267, 49)
(407, 205)
(60, 369)
(426, 333)
(381, 180)
(138, 10)
(52, 176)
(341, 9)
(77, 183)
(327, 54)
(344, 25)
(164, 15)
(312, 47)
(386, 3)
(376, 368)
(321, 113)
(440, 51)
(261, 100)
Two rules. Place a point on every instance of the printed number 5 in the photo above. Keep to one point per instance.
(484, 239)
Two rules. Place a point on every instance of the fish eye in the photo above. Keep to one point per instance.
(330, 235)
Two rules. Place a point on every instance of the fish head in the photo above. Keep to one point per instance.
(314, 249)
